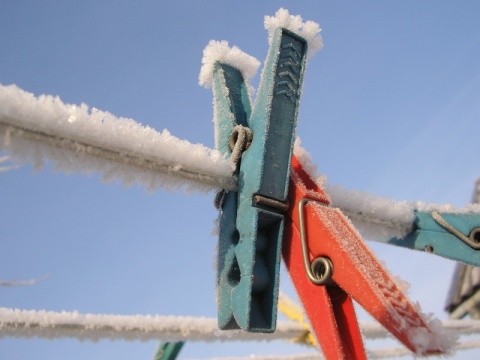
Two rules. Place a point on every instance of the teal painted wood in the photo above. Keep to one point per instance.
(232, 104)
(430, 236)
(168, 350)
(251, 233)
(232, 107)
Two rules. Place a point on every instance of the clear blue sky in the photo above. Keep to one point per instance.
(391, 105)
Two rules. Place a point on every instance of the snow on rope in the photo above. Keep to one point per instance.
(375, 217)
(94, 327)
(372, 354)
(78, 139)
(274, 357)
(51, 324)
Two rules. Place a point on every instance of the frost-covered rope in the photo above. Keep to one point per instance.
(77, 139)
(375, 217)
(399, 352)
(273, 357)
(372, 354)
(50, 325)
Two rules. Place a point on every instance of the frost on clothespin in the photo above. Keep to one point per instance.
(308, 30)
(218, 58)
(358, 275)
(308, 165)
(434, 337)
(249, 244)
(220, 51)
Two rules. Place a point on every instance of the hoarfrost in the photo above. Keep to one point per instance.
(308, 165)
(94, 327)
(424, 333)
(435, 338)
(77, 139)
(233, 56)
(309, 30)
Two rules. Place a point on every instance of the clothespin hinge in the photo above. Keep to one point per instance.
(472, 240)
(320, 270)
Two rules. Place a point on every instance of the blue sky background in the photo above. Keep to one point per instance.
(391, 106)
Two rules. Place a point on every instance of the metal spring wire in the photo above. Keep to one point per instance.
(240, 139)
(320, 270)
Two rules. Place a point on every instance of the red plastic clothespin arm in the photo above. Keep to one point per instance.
(329, 309)
(332, 243)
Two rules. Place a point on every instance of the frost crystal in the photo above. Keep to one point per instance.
(233, 56)
(76, 139)
(309, 30)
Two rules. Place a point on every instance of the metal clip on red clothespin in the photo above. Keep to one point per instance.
(330, 265)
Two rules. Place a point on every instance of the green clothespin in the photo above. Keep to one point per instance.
(252, 220)
(453, 235)
(259, 141)
(168, 350)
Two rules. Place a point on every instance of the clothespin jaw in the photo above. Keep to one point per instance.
(231, 108)
(168, 350)
(329, 309)
(232, 104)
(347, 270)
(252, 220)
(454, 236)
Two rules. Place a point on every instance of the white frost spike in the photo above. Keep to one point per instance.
(307, 164)
(309, 30)
(233, 56)
(438, 338)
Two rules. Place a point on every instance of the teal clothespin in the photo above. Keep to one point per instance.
(454, 236)
(168, 350)
(251, 222)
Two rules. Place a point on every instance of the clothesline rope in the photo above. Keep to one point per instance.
(75, 138)
(372, 354)
(78, 139)
(51, 324)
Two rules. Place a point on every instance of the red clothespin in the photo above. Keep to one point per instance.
(335, 266)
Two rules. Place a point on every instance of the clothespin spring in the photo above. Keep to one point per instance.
(319, 271)
(472, 240)
(240, 139)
